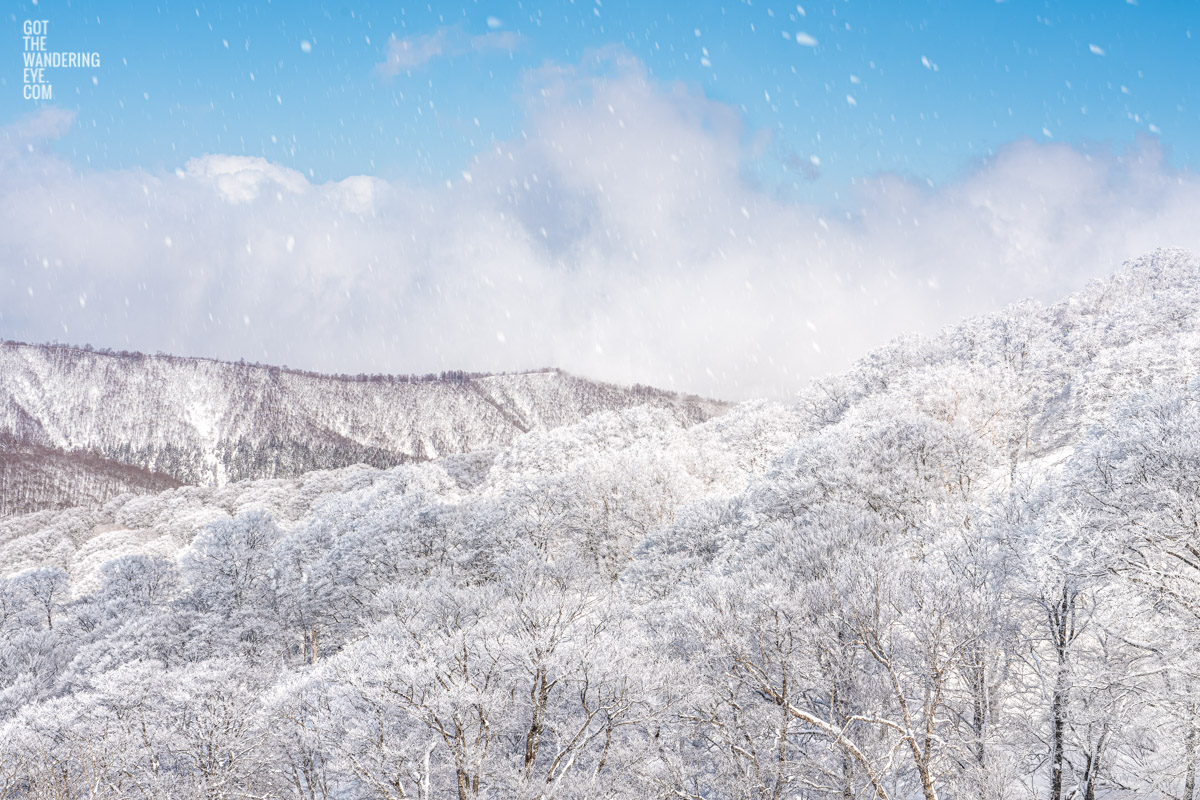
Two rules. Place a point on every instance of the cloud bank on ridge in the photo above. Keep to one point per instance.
(618, 239)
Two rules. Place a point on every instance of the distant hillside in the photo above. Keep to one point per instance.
(205, 422)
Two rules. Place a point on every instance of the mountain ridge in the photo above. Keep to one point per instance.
(209, 422)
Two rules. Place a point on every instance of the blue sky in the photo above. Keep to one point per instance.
(722, 198)
(934, 84)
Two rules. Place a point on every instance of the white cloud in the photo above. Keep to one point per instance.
(49, 122)
(240, 179)
(413, 52)
(611, 243)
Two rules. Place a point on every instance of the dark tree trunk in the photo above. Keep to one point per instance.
(1061, 627)
(1189, 784)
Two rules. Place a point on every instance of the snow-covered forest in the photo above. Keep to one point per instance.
(969, 567)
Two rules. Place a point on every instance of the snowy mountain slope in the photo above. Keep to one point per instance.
(965, 568)
(208, 422)
(1049, 372)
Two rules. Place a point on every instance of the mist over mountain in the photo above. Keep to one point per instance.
(171, 420)
(966, 567)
